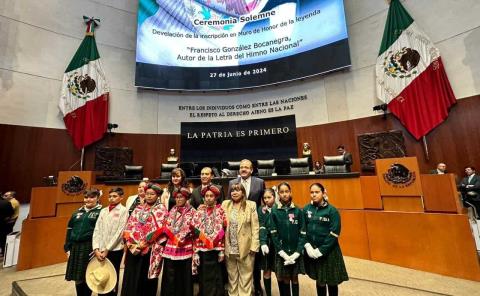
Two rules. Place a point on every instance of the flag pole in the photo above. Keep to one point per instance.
(81, 159)
(425, 147)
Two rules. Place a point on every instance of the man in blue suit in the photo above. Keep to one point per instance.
(254, 187)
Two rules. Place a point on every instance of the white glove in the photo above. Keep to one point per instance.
(265, 250)
(288, 262)
(309, 249)
(68, 254)
(284, 255)
(294, 257)
(317, 253)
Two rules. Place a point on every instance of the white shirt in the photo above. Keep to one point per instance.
(470, 178)
(109, 229)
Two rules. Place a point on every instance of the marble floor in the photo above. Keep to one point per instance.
(366, 278)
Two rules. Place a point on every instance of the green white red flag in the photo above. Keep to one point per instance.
(410, 75)
(85, 93)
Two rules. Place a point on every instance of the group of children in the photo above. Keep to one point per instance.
(295, 241)
(186, 242)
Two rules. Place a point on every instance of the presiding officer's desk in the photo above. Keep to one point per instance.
(344, 186)
(426, 231)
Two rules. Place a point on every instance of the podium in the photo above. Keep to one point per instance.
(44, 230)
(400, 184)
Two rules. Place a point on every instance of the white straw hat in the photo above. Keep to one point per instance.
(101, 276)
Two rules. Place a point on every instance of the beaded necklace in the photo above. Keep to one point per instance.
(177, 222)
(144, 214)
(209, 222)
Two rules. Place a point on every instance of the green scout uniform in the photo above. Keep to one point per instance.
(268, 261)
(79, 241)
(287, 228)
(323, 228)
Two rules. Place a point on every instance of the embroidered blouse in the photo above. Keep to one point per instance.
(209, 223)
(180, 233)
(145, 224)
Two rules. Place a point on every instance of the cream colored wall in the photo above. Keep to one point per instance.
(38, 39)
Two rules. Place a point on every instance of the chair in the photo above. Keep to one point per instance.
(133, 172)
(334, 164)
(266, 167)
(166, 170)
(233, 167)
(299, 166)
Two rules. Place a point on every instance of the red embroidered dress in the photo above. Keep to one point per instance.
(146, 224)
(179, 230)
(210, 223)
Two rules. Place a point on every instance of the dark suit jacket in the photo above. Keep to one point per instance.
(257, 188)
(435, 172)
(196, 197)
(475, 182)
(348, 160)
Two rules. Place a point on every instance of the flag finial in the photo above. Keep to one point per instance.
(91, 24)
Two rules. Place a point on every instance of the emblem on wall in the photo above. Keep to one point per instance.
(402, 63)
(74, 186)
(399, 176)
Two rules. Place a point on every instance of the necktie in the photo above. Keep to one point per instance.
(246, 186)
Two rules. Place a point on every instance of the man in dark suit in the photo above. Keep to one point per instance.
(254, 187)
(347, 156)
(206, 176)
(440, 170)
(470, 189)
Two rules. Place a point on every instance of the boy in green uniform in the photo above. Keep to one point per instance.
(324, 262)
(78, 242)
(287, 227)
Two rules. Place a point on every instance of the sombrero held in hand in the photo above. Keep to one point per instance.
(101, 276)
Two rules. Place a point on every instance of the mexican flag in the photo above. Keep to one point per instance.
(410, 75)
(85, 92)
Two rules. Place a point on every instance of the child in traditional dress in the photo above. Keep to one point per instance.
(209, 246)
(107, 237)
(78, 242)
(324, 262)
(287, 227)
(142, 234)
(177, 254)
(268, 251)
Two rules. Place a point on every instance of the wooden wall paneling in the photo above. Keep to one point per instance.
(42, 202)
(371, 192)
(439, 243)
(148, 150)
(30, 153)
(342, 193)
(67, 209)
(300, 190)
(403, 203)
(42, 242)
(440, 193)
(354, 235)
